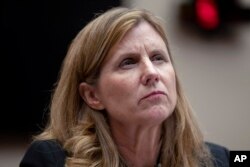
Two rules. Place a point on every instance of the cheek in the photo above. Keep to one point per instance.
(172, 88)
(115, 90)
(170, 83)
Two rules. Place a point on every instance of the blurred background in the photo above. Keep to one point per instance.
(209, 40)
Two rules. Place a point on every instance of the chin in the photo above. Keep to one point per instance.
(159, 115)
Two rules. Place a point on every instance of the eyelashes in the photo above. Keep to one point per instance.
(132, 62)
(128, 63)
(158, 58)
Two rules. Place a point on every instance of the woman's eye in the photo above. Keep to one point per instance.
(158, 58)
(127, 63)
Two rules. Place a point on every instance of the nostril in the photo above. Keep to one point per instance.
(150, 73)
(150, 79)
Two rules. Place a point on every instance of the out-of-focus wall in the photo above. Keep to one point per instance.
(215, 74)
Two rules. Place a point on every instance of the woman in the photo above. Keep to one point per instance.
(118, 102)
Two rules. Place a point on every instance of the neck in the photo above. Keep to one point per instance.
(139, 146)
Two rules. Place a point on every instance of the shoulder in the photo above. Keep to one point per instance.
(44, 153)
(220, 154)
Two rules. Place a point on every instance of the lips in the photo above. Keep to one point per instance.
(153, 94)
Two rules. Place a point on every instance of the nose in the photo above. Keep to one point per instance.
(150, 74)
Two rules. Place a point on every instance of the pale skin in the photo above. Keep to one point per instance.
(137, 89)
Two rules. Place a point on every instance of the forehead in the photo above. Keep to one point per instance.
(142, 35)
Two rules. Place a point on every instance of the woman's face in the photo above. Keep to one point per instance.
(137, 80)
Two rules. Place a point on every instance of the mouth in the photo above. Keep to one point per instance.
(154, 93)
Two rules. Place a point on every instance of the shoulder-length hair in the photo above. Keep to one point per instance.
(83, 132)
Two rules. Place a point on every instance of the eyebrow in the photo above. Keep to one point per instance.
(132, 53)
(159, 51)
(129, 54)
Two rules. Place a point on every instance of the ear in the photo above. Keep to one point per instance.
(89, 95)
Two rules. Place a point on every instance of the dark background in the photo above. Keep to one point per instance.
(35, 36)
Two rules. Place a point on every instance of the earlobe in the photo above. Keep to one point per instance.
(88, 94)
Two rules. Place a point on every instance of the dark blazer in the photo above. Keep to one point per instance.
(50, 154)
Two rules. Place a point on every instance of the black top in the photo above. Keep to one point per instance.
(50, 154)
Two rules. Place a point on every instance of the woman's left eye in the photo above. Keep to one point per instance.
(158, 58)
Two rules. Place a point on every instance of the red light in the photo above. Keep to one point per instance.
(207, 14)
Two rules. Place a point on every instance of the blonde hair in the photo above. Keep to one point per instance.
(83, 132)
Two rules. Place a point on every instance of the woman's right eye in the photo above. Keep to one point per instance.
(127, 63)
